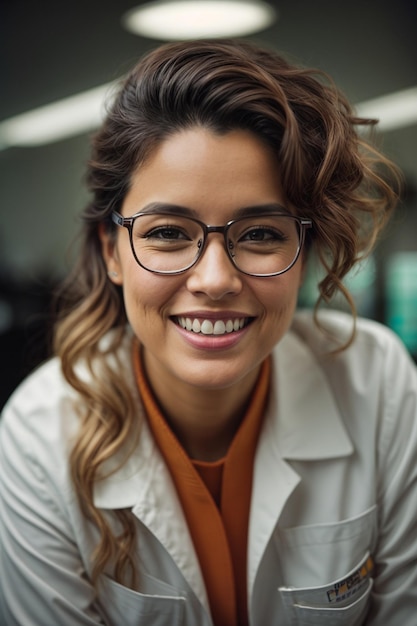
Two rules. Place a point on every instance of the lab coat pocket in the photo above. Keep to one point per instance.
(313, 554)
(158, 603)
(343, 602)
(326, 570)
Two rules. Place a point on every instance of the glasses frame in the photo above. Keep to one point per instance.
(128, 222)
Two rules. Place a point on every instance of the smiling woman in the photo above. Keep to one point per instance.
(215, 176)
(199, 452)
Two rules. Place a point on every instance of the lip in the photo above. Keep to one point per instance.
(213, 315)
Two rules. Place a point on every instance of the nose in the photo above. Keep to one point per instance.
(214, 274)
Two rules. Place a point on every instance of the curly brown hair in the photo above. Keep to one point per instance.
(329, 172)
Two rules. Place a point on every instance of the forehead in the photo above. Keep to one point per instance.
(204, 171)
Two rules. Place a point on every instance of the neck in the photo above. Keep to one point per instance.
(205, 421)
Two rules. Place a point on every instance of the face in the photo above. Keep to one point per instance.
(214, 176)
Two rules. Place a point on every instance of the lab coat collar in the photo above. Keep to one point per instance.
(307, 420)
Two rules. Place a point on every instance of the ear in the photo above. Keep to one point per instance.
(110, 254)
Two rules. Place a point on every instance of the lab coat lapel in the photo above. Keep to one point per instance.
(309, 425)
(144, 484)
(302, 422)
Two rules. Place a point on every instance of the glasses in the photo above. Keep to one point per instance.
(260, 245)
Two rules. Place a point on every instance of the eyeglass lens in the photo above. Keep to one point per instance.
(265, 244)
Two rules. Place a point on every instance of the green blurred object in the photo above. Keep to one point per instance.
(401, 297)
(360, 281)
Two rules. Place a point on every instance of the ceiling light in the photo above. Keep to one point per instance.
(393, 111)
(65, 118)
(195, 19)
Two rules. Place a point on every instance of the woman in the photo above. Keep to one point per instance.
(197, 452)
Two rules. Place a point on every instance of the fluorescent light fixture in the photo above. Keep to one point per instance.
(65, 118)
(84, 112)
(195, 19)
(394, 110)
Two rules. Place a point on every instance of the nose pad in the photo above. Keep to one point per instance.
(215, 274)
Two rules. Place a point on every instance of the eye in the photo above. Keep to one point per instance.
(167, 233)
(262, 233)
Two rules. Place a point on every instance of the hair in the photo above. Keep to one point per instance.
(329, 172)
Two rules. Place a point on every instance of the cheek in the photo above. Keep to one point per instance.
(279, 294)
(146, 295)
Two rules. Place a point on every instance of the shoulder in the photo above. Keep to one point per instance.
(375, 375)
(42, 389)
(43, 412)
(40, 413)
(47, 371)
(372, 340)
(370, 376)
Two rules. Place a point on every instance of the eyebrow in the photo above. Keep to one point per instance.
(248, 211)
(163, 207)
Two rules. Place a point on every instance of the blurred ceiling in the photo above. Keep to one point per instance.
(52, 49)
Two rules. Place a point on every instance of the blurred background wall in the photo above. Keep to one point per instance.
(52, 50)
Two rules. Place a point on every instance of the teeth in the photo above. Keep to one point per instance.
(229, 326)
(206, 327)
(219, 328)
(188, 324)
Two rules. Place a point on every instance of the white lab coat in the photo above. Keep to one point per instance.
(335, 480)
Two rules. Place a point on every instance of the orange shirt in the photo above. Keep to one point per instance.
(215, 497)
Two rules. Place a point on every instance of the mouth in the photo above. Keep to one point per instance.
(213, 327)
